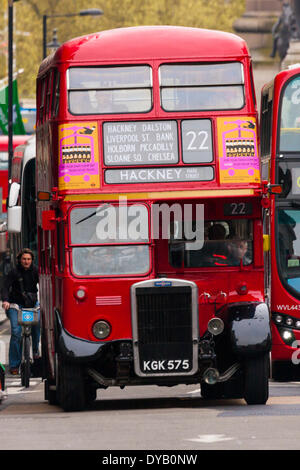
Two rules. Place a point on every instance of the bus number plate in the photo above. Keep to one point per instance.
(238, 208)
(166, 365)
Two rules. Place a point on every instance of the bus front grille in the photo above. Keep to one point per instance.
(164, 320)
(164, 315)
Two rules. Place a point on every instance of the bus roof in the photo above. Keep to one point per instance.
(150, 42)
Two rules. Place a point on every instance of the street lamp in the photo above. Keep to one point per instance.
(54, 44)
(89, 12)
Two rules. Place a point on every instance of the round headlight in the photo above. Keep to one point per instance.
(289, 321)
(278, 319)
(101, 329)
(215, 326)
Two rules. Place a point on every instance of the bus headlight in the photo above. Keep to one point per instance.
(278, 319)
(215, 326)
(101, 329)
(287, 336)
(286, 321)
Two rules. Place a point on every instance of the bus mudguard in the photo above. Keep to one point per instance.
(250, 330)
(73, 348)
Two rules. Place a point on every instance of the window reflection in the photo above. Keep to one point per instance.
(226, 243)
(110, 260)
(290, 117)
(289, 247)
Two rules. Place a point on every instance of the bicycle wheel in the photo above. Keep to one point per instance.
(25, 366)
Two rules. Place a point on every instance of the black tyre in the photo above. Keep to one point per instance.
(2, 377)
(256, 385)
(71, 389)
(25, 366)
(50, 395)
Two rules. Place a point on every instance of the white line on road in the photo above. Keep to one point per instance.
(210, 438)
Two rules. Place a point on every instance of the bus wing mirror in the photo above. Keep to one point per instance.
(14, 191)
(266, 242)
(14, 219)
(48, 220)
(274, 188)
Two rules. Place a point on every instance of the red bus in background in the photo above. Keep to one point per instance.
(21, 200)
(17, 140)
(280, 152)
(135, 127)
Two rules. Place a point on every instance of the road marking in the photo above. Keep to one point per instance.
(210, 438)
(17, 391)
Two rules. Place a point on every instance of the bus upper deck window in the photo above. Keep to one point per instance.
(191, 87)
(290, 117)
(110, 90)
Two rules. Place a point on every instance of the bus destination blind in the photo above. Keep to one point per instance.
(139, 143)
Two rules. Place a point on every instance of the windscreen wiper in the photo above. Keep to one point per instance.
(93, 213)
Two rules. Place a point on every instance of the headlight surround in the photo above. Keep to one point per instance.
(286, 321)
(80, 293)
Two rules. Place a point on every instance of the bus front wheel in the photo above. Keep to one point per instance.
(256, 380)
(71, 390)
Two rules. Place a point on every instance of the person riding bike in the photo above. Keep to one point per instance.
(19, 291)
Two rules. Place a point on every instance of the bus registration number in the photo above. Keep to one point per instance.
(166, 365)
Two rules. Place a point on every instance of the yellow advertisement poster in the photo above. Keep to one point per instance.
(78, 151)
(238, 152)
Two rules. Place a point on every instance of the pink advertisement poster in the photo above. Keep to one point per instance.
(238, 150)
(78, 156)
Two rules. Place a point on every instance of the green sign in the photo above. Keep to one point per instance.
(18, 126)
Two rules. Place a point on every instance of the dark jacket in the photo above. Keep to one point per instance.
(20, 280)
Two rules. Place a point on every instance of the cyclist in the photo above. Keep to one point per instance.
(20, 290)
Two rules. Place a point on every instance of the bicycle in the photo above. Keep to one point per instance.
(27, 317)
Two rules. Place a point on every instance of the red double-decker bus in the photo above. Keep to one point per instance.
(280, 146)
(149, 216)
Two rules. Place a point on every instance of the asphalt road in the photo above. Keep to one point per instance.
(148, 418)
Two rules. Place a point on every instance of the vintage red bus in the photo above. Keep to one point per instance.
(280, 148)
(149, 216)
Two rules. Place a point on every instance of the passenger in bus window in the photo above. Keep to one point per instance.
(95, 102)
(237, 252)
(214, 251)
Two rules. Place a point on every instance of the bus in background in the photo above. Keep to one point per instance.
(280, 152)
(149, 214)
(21, 210)
(17, 140)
